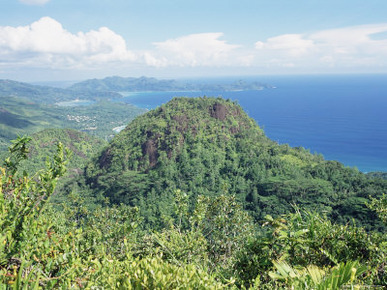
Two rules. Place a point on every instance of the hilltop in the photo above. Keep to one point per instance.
(210, 146)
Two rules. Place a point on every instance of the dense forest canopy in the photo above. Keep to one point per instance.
(209, 146)
(190, 195)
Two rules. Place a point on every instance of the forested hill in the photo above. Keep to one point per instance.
(186, 165)
(46, 94)
(209, 146)
(44, 143)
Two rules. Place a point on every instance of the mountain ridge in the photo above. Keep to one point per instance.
(47, 94)
(131, 84)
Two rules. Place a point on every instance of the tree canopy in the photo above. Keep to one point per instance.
(209, 146)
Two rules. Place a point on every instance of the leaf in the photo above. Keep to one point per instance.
(315, 273)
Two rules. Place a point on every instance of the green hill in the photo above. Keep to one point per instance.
(209, 146)
(20, 117)
(46, 94)
(82, 145)
(26, 109)
(175, 240)
(44, 144)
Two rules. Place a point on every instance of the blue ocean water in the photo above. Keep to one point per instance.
(343, 117)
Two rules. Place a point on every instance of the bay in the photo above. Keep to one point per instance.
(342, 117)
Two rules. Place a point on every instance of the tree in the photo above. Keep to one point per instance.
(380, 206)
(22, 201)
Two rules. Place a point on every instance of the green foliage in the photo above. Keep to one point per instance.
(303, 239)
(213, 245)
(73, 247)
(380, 206)
(149, 273)
(224, 224)
(209, 146)
(180, 180)
(208, 236)
(43, 144)
(22, 200)
(313, 277)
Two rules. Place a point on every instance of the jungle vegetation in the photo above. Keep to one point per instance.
(209, 146)
(191, 195)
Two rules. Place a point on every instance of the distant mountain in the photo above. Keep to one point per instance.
(108, 88)
(210, 146)
(46, 94)
(120, 84)
(117, 84)
(55, 84)
(382, 175)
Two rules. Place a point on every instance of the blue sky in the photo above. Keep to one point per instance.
(72, 40)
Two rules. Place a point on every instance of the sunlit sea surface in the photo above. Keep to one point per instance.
(343, 117)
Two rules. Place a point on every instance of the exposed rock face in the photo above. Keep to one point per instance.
(218, 111)
(149, 149)
(166, 129)
(105, 159)
(162, 141)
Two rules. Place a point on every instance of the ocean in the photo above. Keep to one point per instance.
(342, 117)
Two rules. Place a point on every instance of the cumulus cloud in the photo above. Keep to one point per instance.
(46, 42)
(293, 44)
(202, 49)
(344, 47)
(34, 2)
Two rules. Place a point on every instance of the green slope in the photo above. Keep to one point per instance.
(21, 117)
(25, 117)
(44, 144)
(210, 146)
(82, 145)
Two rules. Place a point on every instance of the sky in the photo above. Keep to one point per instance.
(68, 40)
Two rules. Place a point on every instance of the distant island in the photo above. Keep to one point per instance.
(142, 84)
(110, 87)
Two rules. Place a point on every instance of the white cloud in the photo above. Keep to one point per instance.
(46, 42)
(293, 44)
(34, 2)
(203, 49)
(341, 48)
